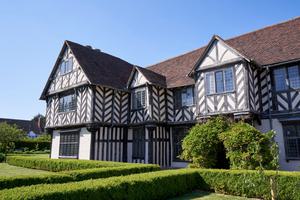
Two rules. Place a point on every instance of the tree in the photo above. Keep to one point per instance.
(8, 135)
(248, 148)
(202, 145)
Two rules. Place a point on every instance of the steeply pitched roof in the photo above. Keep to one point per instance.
(153, 77)
(25, 125)
(99, 67)
(273, 44)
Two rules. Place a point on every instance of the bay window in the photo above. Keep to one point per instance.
(219, 81)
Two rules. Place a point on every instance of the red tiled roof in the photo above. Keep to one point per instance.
(273, 44)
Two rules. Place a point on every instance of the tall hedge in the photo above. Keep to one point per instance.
(33, 145)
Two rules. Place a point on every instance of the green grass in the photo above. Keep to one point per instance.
(10, 170)
(31, 155)
(201, 195)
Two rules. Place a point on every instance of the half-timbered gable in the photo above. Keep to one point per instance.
(222, 80)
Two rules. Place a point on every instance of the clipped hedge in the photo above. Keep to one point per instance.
(75, 175)
(251, 183)
(166, 184)
(57, 165)
(96, 173)
(153, 185)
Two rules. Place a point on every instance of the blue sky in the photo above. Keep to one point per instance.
(141, 32)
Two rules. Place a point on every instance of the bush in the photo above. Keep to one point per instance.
(8, 135)
(248, 148)
(76, 175)
(2, 157)
(166, 184)
(57, 165)
(95, 173)
(32, 144)
(154, 185)
(202, 145)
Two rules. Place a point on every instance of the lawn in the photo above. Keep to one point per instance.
(201, 195)
(10, 170)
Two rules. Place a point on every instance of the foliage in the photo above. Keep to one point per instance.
(57, 165)
(2, 157)
(75, 175)
(165, 184)
(248, 148)
(154, 185)
(8, 135)
(32, 144)
(202, 144)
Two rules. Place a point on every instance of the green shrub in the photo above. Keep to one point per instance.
(76, 175)
(166, 184)
(2, 157)
(9, 134)
(154, 185)
(248, 148)
(95, 173)
(32, 144)
(17, 181)
(57, 165)
(202, 145)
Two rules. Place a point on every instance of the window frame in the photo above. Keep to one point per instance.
(139, 143)
(296, 125)
(62, 109)
(134, 104)
(66, 61)
(175, 130)
(213, 73)
(286, 78)
(63, 135)
(178, 100)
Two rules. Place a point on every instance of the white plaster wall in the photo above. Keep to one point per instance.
(55, 145)
(84, 144)
(292, 165)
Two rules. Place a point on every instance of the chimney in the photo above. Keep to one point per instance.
(98, 50)
(89, 46)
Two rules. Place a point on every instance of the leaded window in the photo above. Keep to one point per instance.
(219, 81)
(286, 78)
(67, 103)
(138, 143)
(69, 144)
(184, 97)
(66, 66)
(139, 99)
(292, 140)
(178, 134)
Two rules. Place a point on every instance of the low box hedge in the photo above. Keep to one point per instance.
(75, 175)
(153, 185)
(166, 184)
(56, 165)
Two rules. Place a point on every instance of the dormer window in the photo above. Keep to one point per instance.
(66, 66)
(219, 81)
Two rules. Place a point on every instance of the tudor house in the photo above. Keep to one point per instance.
(101, 107)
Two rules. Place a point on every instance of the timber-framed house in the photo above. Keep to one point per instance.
(101, 107)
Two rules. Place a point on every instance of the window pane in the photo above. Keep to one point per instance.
(294, 78)
(279, 79)
(177, 99)
(187, 96)
(178, 135)
(69, 144)
(228, 75)
(219, 82)
(67, 103)
(209, 83)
